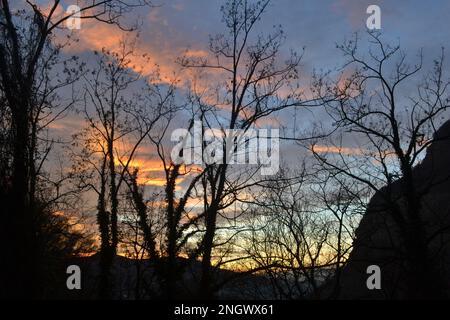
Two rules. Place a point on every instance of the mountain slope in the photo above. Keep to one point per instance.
(378, 240)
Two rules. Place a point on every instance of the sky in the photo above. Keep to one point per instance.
(175, 27)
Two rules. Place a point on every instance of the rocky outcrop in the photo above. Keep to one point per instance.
(378, 241)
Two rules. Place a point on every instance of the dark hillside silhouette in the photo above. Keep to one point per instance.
(378, 241)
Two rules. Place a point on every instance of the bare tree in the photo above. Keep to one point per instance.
(252, 79)
(301, 232)
(142, 228)
(342, 201)
(369, 104)
(115, 132)
(26, 51)
(180, 220)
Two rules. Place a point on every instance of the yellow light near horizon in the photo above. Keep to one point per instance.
(151, 182)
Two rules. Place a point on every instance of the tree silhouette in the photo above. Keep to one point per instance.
(26, 56)
(368, 104)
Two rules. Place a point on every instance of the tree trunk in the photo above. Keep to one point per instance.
(22, 268)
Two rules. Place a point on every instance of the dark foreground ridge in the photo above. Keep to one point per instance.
(378, 240)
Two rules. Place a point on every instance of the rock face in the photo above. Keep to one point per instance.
(378, 241)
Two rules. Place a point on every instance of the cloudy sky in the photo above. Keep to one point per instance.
(176, 27)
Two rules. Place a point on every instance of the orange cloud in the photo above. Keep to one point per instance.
(158, 52)
(337, 150)
(349, 151)
(147, 58)
(196, 53)
(57, 14)
(269, 121)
